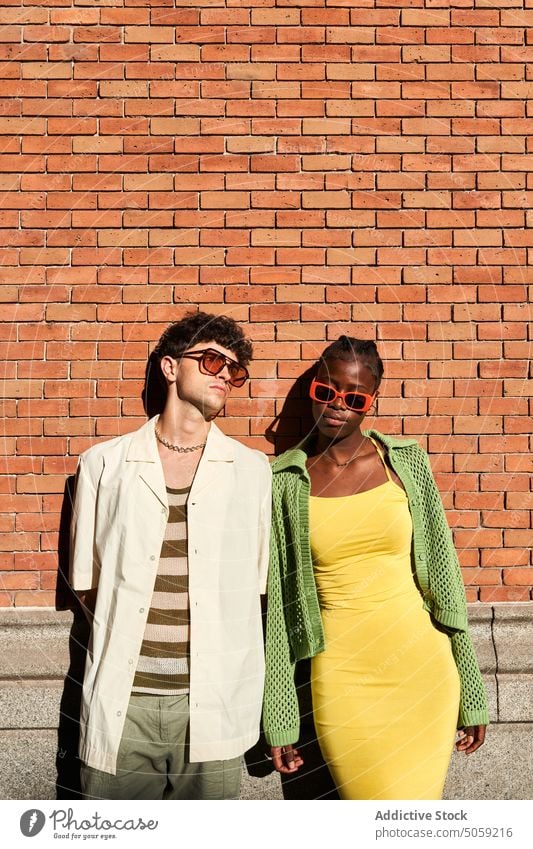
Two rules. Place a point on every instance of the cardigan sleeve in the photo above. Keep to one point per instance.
(444, 572)
(281, 716)
(447, 588)
(473, 702)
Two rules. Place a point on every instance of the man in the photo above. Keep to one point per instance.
(169, 550)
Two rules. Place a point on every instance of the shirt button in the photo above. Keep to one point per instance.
(163, 510)
(152, 557)
(130, 661)
(119, 713)
(141, 609)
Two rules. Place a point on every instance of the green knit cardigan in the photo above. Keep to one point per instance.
(294, 625)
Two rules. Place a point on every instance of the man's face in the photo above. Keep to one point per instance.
(207, 392)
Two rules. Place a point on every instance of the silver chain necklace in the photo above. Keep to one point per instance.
(179, 448)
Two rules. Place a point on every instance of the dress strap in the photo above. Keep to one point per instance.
(380, 453)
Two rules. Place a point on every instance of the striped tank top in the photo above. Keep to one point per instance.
(163, 666)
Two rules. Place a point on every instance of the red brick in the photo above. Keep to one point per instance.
(504, 594)
(320, 190)
(505, 557)
(518, 577)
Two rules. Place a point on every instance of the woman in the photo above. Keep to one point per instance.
(364, 579)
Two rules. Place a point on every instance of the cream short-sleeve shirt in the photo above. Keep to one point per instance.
(119, 518)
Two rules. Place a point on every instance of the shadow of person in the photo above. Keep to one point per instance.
(67, 762)
(313, 780)
(294, 421)
(154, 394)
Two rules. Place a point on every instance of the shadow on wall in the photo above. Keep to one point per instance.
(295, 419)
(154, 394)
(67, 762)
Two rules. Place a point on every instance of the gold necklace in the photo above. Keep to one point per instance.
(341, 465)
(179, 448)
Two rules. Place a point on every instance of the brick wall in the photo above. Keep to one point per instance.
(307, 167)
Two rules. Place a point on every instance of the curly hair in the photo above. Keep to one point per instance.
(178, 337)
(203, 327)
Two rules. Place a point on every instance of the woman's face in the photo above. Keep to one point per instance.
(333, 419)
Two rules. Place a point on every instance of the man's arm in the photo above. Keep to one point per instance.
(84, 568)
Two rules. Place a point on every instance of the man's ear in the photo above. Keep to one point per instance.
(169, 367)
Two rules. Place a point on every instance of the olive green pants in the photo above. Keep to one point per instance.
(152, 758)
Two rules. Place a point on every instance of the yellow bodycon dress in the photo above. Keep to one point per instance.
(386, 688)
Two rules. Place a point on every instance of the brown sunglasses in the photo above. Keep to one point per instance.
(212, 362)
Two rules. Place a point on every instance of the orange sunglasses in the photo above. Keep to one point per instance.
(323, 393)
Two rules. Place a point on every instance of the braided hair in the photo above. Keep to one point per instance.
(348, 348)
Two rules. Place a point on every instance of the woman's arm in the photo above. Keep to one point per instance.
(473, 711)
(281, 716)
(473, 704)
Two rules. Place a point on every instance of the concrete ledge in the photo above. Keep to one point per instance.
(480, 621)
(501, 769)
(27, 764)
(30, 704)
(513, 637)
(40, 666)
(515, 696)
(266, 788)
(491, 686)
(35, 643)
